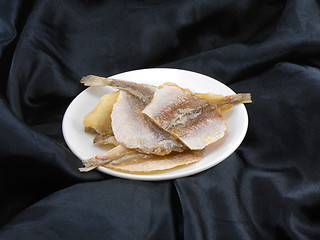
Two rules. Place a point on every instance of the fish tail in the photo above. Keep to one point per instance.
(92, 163)
(87, 169)
(239, 98)
(105, 158)
(91, 80)
(229, 101)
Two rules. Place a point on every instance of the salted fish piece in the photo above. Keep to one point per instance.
(191, 119)
(121, 158)
(134, 130)
(143, 91)
(150, 164)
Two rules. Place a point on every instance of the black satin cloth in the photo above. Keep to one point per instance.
(269, 188)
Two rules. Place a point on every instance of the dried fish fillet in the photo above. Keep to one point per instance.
(191, 119)
(123, 159)
(142, 91)
(136, 131)
(150, 164)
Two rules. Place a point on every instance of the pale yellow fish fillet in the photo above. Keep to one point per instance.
(136, 131)
(191, 119)
(99, 120)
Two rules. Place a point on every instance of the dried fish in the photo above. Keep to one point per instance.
(136, 131)
(123, 159)
(111, 155)
(142, 91)
(152, 124)
(150, 164)
(191, 119)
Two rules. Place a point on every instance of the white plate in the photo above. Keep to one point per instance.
(80, 142)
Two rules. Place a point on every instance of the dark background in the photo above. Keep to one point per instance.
(269, 188)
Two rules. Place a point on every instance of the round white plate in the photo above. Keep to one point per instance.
(80, 142)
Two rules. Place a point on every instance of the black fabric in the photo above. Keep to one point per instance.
(269, 188)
